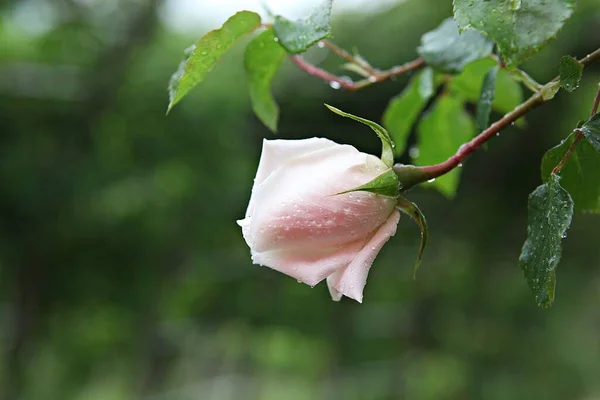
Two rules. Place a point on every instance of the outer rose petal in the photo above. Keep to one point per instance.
(275, 153)
(351, 280)
(299, 207)
(309, 266)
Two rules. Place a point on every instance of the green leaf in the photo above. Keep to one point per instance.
(427, 85)
(385, 184)
(298, 36)
(550, 209)
(447, 50)
(579, 176)
(411, 209)
(403, 110)
(486, 98)
(387, 144)
(262, 59)
(469, 85)
(569, 72)
(519, 27)
(439, 134)
(203, 56)
(549, 90)
(591, 131)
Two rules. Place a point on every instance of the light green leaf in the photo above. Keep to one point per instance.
(403, 110)
(411, 209)
(550, 209)
(486, 98)
(519, 27)
(387, 144)
(591, 131)
(569, 72)
(203, 56)
(298, 36)
(447, 50)
(262, 59)
(427, 85)
(385, 184)
(469, 83)
(549, 90)
(579, 176)
(439, 135)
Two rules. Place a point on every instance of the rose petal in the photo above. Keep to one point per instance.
(276, 152)
(351, 281)
(331, 280)
(300, 208)
(309, 267)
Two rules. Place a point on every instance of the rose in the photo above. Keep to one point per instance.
(299, 224)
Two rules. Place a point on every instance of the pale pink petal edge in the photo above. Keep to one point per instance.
(351, 280)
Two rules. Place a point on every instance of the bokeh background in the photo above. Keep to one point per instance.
(124, 276)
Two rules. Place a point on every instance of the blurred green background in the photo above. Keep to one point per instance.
(123, 274)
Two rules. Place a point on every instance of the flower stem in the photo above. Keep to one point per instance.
(350, 85)
(578, 136)
(357, 60)
(434, 171)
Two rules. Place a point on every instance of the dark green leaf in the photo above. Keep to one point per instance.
(298, 36)
(486, 98)
(403, 110)
(469, 83)
(569, 71)
(439, 134)
(591, 131)
(387, 144)
(206, 53)
(262, 59)
(385, 184)
(447, 50)
(579, 176)
(411, 209)
(519, 27)
(550, 209)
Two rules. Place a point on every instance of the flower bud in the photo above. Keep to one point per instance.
(300, 223)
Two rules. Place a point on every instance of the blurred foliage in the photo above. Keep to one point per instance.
(124, 276)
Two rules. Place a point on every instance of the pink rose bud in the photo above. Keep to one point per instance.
(297, 222)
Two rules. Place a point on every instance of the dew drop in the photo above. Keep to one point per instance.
(372, 78)
(413, 152)
(335, 85)
(276, 39)
(460, 165)
(321, 45)
(431, 180)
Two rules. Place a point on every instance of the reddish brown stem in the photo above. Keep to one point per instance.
(357, 60)
(434, 171)
(578, 136)
(378, 76)
(321, 73)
